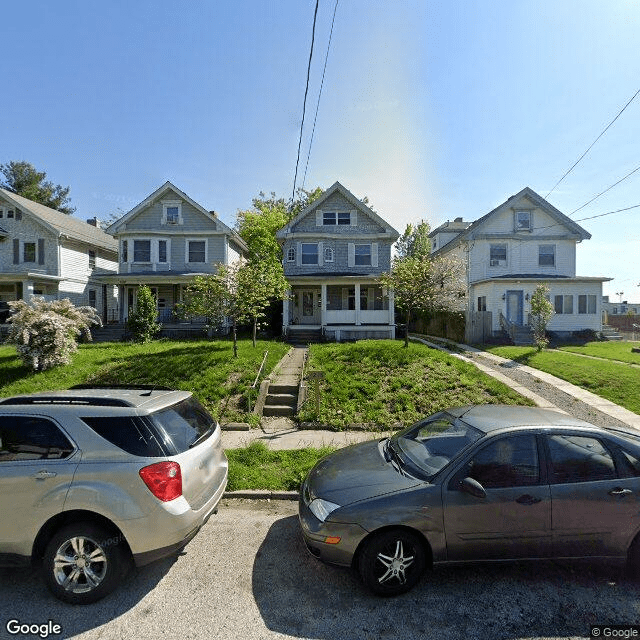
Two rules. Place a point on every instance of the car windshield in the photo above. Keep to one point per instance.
(427, 446)
(186, 424)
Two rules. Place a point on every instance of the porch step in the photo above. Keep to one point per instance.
(610, 333)
(281, 400)
(304, 336)
(523, 337)
(109, 333)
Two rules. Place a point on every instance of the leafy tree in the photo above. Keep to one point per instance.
(541, 312)
(425, 285)
(143, 319)
(415, 241)
(23, 178)
(46, 333)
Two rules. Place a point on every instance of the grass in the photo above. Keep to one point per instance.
(257, 467)
(381, 384)
(612, 350)
(204, 367)
(611, 380)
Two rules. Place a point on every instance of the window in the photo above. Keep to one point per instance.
(579, 459)
(328, 217)
(309, 253)
(523, 220)
(29, 252)
(125, 251)
(197, 251)
(344, 217)
(1, 213)
(32, 438)
(547, 255)
(172, 212)
(563, 304)
(507, 462)
(328, 254)
(371, 299)
(291, 254)
(10, 213)
(586, 304)
(162, 250)
(130, 433)
(92, 298)
(92, 259)
(482, 303)
(336, 217)
(142, 250)
(498, 255)
(363, 255)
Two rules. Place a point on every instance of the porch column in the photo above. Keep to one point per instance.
(357, 304)
(285, 312)
(392, 314)
(27, 290)
(323, 304)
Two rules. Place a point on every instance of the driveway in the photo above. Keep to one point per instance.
(247, 575)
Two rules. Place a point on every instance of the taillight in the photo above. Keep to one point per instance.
(164, 480)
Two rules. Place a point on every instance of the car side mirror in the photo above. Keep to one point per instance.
(473, 487)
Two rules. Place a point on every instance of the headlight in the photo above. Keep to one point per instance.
(322, 508)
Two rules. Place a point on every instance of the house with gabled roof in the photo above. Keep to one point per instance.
(166, 241)
(523, 242)
(333, 254)
(44, 252)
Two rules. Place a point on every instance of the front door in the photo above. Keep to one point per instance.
(308, 305)
(514, 307)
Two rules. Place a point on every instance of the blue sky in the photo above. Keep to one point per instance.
(431, 109)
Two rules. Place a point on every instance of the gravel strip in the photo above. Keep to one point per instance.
(560, 399)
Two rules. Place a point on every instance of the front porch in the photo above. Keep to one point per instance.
(339, 311)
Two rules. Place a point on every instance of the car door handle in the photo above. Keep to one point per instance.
(528, 499)
(43, 475)
(619, 491)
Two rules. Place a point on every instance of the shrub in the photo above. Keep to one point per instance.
(46, 333)
(142, 320)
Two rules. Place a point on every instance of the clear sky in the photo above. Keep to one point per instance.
(431, 109)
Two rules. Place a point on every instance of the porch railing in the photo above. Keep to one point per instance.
(507, 325)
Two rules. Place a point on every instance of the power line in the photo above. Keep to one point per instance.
(304, 104)
(605, 191)
(599, 215)
(326, 57)
(591, 145)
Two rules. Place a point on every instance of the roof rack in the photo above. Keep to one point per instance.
(71, 400)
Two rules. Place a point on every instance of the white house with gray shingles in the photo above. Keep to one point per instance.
(165, 241)
(523, 242)
(44, 252)
(333, 254)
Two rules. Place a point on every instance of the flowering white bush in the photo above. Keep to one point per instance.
(45, 333)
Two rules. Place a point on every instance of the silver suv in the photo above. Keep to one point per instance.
(92, 479)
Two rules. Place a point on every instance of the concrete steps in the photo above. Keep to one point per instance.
(523, 336)
(281, 400)
(610, 333)
(304, 336)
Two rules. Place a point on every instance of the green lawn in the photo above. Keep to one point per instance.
(612, 350)
(206, 368)
(381, 384)
(613, 380)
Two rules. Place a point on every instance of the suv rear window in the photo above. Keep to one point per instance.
(130, 433)
(186, 423)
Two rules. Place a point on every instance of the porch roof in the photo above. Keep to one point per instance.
(531, 277)
(156, 277)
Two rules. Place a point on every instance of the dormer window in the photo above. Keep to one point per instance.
(172, 213)
(523, 220)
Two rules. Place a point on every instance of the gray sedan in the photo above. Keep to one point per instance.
(479, 483)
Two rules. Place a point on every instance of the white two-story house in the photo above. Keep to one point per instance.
(333, 254)
(165, 241)
(44, 252)
(522, 243)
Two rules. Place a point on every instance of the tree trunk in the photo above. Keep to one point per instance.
(406, 329)
(235, 340)
(255, 330)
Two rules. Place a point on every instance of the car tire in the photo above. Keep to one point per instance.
(633, 560)
(392, 562)
(83, 562)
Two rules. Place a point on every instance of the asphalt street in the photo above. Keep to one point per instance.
(247, 575)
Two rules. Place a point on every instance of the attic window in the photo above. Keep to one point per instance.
(523, 220)
(336, 217)
(172, 213)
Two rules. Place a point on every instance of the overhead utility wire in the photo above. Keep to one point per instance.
(599, 215)
(304, 104)
(605, 191)
(326, 57)
(591, 145)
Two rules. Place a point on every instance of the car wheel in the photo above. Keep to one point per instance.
(392, 562)
(633, 560)
(84, 562)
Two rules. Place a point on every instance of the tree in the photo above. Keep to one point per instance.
(143, 319)
(425, 285)
(541, 312)
(415, 241)
(46, 333)
(22, 178)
